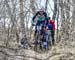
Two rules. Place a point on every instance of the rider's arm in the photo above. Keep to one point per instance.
(45, 14)
(35, 16)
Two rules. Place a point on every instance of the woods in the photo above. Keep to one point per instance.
(15, 22)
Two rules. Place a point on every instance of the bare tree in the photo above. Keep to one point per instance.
(55, 9)
(22, 17)
(46, 5)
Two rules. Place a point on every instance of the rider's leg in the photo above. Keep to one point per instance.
(45, 43)
(37, 35)
(52, 34)
(48, 38)
(37, 24)
(35, 30)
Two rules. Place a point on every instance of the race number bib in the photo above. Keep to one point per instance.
(38, 27)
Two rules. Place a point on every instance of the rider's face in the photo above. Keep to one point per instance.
(41, 12)
(48, 21)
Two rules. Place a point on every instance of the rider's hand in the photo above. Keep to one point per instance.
(32, 24)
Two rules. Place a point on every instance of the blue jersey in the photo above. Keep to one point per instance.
(49, 26)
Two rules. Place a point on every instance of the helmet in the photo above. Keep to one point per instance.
(49, 18)
(42, 9)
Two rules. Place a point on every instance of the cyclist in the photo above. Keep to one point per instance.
(39, 18)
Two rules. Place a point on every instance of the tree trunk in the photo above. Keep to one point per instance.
(46, 5)
(55, 9)
(22, 25)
